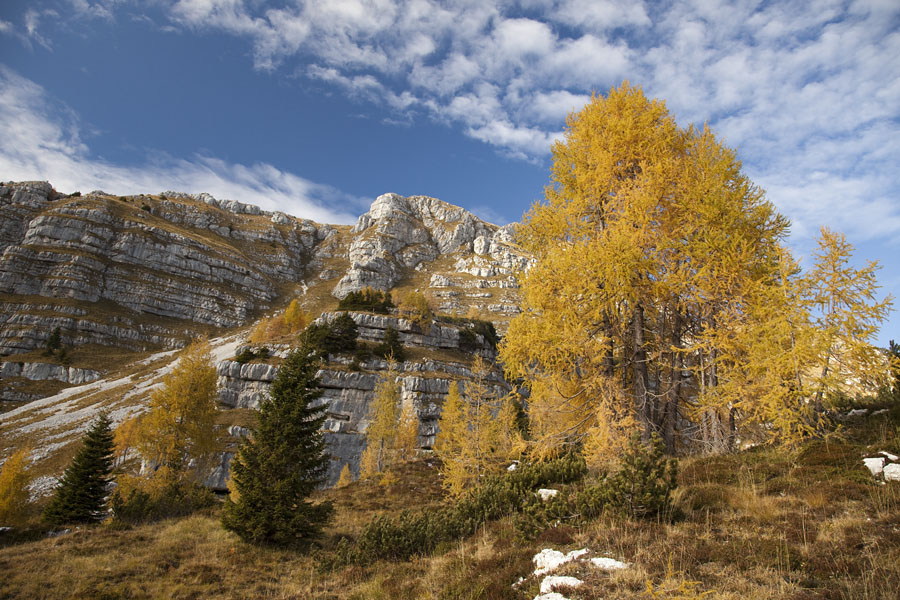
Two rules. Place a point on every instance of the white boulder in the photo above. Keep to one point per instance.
(548, 560)
(546, 494)
(552, 581)
(608, 564)
(875, 465)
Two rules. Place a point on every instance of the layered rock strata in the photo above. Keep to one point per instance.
(400, 236)
(138, 271)
(348, 394)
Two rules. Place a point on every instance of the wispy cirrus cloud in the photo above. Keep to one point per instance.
(40, 137)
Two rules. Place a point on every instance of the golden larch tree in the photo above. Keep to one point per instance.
(14, 480)
(381, 433)
(179, 432)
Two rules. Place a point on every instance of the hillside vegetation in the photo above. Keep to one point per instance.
(759, 524)
(673, 408)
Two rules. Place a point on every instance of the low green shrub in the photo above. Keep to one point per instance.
(641, 488)
(367, 299)
(174, 500)
(248, 354)
(412, 533)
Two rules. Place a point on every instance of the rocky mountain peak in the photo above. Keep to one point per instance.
(399, 234)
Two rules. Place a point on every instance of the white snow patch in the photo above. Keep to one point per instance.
(513, 466)
(889, 456)
(892, 472)
(548, 559)
(858, 412)
(875, 465)
(58, 411)
(157, 356)
(879, 412)
(41, 486)
(551, 596)
(608, 564)
(546, 494)
(552, 581)
(46, 450)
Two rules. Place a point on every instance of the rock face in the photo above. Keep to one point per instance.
(348, 394)
(150, 272)
(138, 271)
(400, 235)
(43, 371)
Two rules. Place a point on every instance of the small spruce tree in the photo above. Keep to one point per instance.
(282, 462)
(81, 494)
(391, 347)
(54, 342)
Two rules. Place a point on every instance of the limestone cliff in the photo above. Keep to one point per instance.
(128, 279)
(144, 273)
(137, 271)
(349, 388)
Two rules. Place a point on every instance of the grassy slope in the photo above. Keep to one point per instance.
(763, 523)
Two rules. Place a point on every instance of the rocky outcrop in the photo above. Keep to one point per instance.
(400, 234)
(348, 385)
(150, 272)
(139, 270)
(348, 395)
(244, 385)
(45, 371)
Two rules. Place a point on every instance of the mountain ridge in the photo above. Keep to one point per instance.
(128, 279)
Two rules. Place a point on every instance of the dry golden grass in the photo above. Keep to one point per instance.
(757, 525)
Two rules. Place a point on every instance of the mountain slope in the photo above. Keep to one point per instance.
(129, 279)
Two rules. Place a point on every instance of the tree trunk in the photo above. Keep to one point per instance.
(641, 377)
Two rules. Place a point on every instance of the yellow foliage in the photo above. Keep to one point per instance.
(259, 334)
(295, 318)
(345, 478)
(847, 316)
(14, 480)
(277, 328)
(388, 479)
(452, 443)
(381, 433)
(125, 438)
(181, 423)
(414, 307)
(663, 289)
(408, 433)
(475, 432)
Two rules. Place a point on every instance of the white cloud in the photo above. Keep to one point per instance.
(555, 106)
(40, 140)
(797, 88)
(523, 37)
(600, 15)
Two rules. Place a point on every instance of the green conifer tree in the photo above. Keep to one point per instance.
(391, 347)
(54, 342)
(342, 337)
(81, 494)
(282, 462)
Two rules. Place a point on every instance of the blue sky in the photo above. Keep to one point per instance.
(315, 108)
